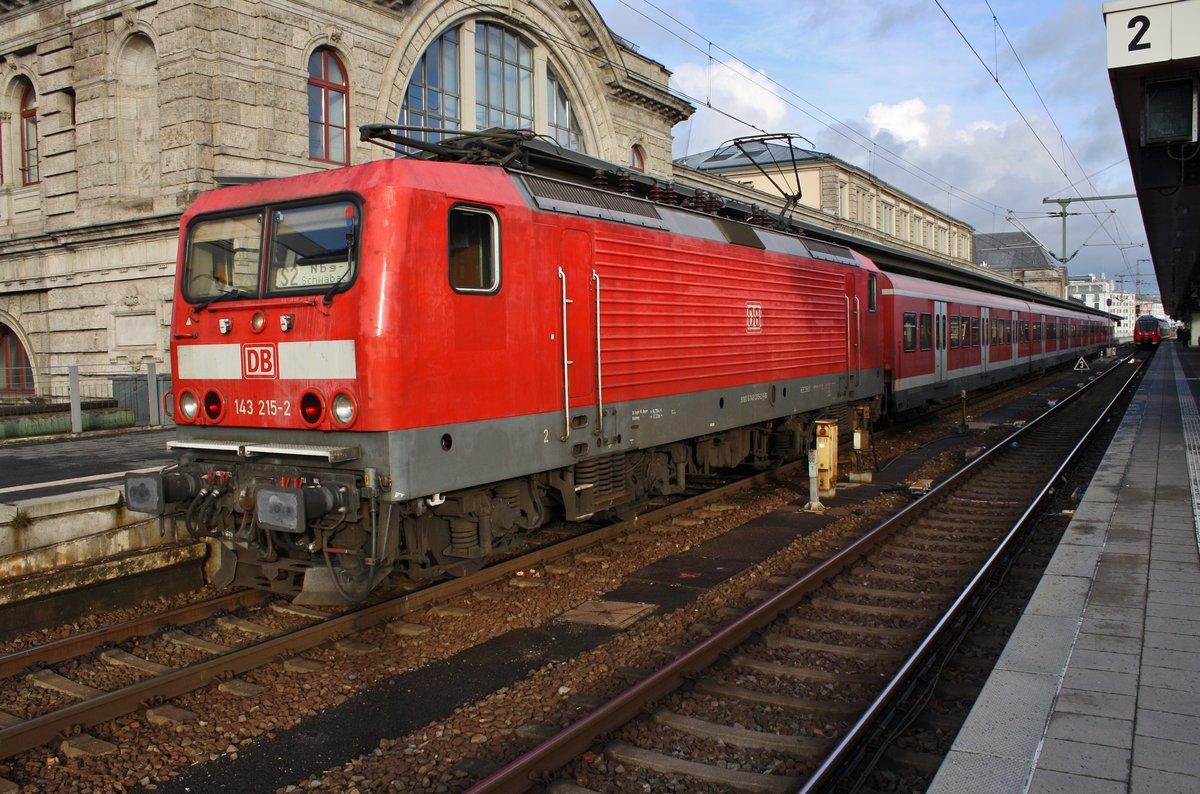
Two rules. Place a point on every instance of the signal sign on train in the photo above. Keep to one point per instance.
(1081, 365)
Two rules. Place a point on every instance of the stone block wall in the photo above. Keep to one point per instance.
(142, 102)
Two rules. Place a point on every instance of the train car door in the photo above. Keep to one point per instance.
(940, 340)
(580, 331)
(1014, 334)
(985, 337)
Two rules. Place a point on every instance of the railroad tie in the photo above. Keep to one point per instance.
(795, 746)
(48, 679)
(627, 754)
(247, 626)
(119, 657)
(189, 641)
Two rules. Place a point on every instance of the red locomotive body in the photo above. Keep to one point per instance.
(402, 365)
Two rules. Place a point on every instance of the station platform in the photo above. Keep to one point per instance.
(1098, 690)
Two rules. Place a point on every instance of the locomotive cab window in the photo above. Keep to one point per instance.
(872, 291)
(474, 255)
(313, 248)
(222, 257)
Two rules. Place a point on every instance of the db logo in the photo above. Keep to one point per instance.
(753, 318)
(259, 361)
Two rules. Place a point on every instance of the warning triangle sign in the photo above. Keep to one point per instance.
(1081, 364)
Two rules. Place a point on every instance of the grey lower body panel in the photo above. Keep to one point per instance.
(442, 459)
(432, 460)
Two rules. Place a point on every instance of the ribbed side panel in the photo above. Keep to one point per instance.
(676, 314)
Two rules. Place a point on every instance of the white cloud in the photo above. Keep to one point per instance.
(993, 162)
(739, 91)
(911, 120)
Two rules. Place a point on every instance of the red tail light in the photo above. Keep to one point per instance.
(214, 406)
(312, 408)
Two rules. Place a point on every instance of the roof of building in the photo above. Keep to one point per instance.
(1011, 251)
(728, 156)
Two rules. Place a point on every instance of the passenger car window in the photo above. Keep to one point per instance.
(910, 332)
(474, 253)
(926, 331)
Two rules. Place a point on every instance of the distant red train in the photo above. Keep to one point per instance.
(1147, 332)
(400, 366)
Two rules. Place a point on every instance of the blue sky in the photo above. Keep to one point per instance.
(892, 86)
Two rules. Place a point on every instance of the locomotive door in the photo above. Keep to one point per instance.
(853, 335)
(580, 325)
(940, 319)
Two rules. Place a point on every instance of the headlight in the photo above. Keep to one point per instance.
(344, 409)
(189, 406)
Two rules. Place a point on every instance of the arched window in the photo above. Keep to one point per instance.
(328, 115)
(15, 373)
(30, 174)
(560, 115)
(433, 93)
(503, 79)
(505, 93)
(637, 158)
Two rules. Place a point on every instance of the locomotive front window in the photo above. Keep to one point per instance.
(474, 250)
(223, 257)
(312, 248)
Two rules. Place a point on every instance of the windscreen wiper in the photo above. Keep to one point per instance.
(231, 293)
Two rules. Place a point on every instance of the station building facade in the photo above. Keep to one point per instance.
(833, 193)
(116, 114)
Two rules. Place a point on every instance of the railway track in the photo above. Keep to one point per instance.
(82, 681)
(55, 689)
(782, 697)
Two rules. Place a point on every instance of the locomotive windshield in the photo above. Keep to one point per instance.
(312, 248)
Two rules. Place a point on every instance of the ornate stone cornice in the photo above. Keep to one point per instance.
(638, 92)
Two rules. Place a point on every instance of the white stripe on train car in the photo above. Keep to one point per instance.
(332, 360)
(210, 362)
(323, 360)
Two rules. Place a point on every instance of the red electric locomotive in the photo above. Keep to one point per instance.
(401, 365)
(1147, 332)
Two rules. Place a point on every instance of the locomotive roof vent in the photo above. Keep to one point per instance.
(830, 252)
(557, 196)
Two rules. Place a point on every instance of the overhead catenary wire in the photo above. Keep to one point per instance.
(759, 78)
(724, 59)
